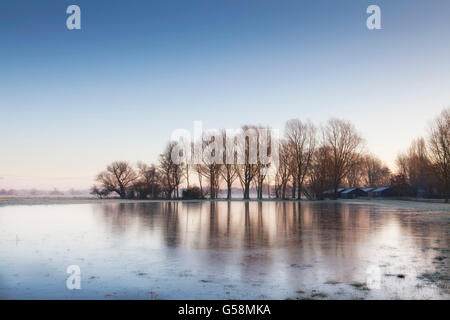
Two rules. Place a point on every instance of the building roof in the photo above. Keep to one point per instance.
(331, 191)
(349, 190)
(381, 189)
(367, 189)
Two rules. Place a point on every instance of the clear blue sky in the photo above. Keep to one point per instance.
(73, 101)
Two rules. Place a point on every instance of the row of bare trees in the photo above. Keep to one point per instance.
(311, 160)
(304, 159)
(425, 166)
(328, 157)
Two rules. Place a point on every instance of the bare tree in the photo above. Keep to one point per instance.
(248, 169)
(345, 144)
(374, 173)
(283, 173)
(353, 178)
(98, 192)
(301, 138)
(211, 160)
(117, 177)
(178, 178)
(420, 168)
(264, 147)
(321, 172)
(293, 172)
(188, 149)
(212, 173)
(416, 168)
(199, 169)
(261, 174)
(439, 148)
(171, 172)
(228, 170)
(149, 183)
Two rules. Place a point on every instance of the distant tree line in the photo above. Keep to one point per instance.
(312, 160)
(10, 192)
(37, 192)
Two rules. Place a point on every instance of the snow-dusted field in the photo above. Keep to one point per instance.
(353, 249)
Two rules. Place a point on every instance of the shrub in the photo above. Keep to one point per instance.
(192, 193)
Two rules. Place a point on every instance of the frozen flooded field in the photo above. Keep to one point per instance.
(226, 250)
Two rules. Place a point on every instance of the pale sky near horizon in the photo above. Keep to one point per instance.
(71, 102)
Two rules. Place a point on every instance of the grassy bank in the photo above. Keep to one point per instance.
(39, 200)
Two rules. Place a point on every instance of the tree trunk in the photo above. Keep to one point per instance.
(187, 176)
(446, 190)
(294, 187)
(228, 190)
(335, 192)
(299, 188)
(211, 184)
(201, 187)
(259, 191)
(122, 193)
(247, 190)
